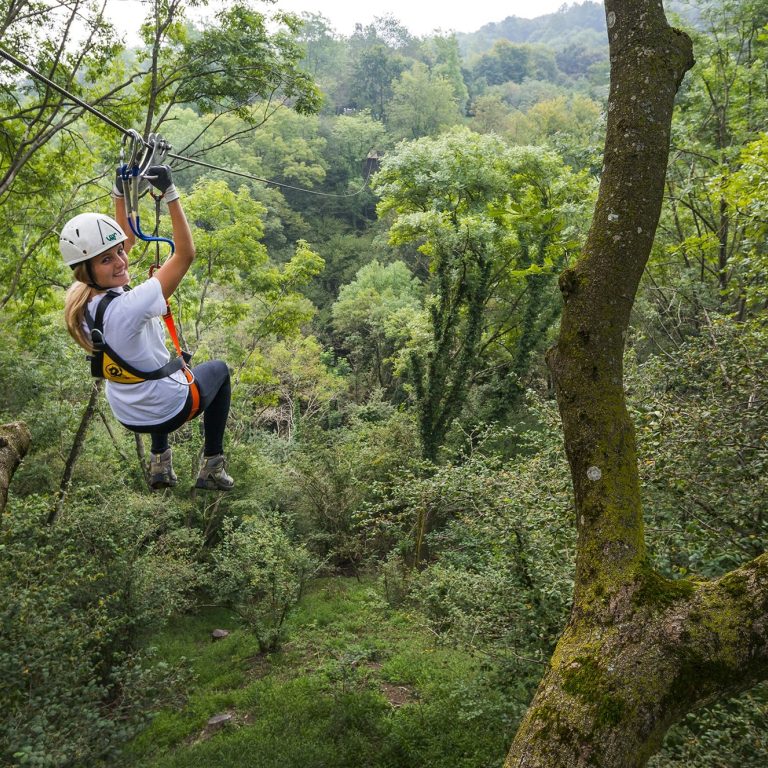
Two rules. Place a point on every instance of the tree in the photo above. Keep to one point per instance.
(490, 220)
(721, 109)
(228, 229)
(422, 104)
(513, 62)
(374, 70)
(639, 651)
(746, 194)
(372, 314)
(292, 382)
(445, 60)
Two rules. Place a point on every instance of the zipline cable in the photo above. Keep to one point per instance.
(37, 75)
(267, 181)
(126, 132)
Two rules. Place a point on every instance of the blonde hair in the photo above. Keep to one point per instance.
(75, 303)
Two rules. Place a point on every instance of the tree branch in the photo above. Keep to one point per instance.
(75, 450)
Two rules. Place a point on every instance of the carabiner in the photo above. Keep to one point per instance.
(137, 144)
(133, 171)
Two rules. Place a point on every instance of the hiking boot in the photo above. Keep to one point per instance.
(213, 475)
(161, 474)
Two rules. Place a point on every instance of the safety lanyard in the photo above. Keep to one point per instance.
(136, 157)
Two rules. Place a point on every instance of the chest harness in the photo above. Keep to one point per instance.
(106, 363)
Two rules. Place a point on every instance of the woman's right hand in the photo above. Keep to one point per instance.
(174, 269)
(161, 178)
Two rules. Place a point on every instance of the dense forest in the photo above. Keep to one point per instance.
(405, 255)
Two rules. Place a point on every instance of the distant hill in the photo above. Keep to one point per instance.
(583, 23)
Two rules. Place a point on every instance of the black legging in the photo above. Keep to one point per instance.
(215, 393)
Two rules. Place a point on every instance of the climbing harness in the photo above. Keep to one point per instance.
(107, 364)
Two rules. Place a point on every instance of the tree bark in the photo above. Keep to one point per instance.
(14, 444)
(639, 651)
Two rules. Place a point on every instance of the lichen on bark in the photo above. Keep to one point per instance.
(14, 444)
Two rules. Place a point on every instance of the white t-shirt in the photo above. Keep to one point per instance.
(134, 329)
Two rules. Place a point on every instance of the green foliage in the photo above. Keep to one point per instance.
(329, 406)
(706, 258)
(423, 103)
(375, 68)
(261, 573)
(746, 193)
(291, 382)
(512, 62)
(491, 221)
(334, 473)
(731, 731)
(583, 21)
(218, 72)
(445, 61)
(703, 448)
(485, 517)
(373, 316)
(77, 596)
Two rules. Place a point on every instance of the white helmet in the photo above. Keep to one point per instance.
(87, 235)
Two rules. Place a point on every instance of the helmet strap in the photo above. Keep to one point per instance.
(93, 283)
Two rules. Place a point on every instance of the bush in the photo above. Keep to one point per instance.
(261, 573)
(75, 598)
(494, 572)
(703, 448)
(335, 473)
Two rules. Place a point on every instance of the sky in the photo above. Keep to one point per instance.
(420, 17)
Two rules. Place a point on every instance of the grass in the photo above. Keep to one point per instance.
(356, 685)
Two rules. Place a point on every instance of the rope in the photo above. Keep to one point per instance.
(127, 132)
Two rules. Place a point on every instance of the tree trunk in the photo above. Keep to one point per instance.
(75, 450)
(14, 444)
(639, 651)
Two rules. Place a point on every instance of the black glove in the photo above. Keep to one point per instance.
(159, 176)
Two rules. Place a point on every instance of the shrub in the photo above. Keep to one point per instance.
(261, 573)
(336, 472)
(75, 596)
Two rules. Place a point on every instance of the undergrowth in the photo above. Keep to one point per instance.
(356, 685)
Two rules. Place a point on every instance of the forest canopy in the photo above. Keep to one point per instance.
(385, 228)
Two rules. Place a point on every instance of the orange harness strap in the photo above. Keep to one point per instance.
(171, 326)
(194, 391)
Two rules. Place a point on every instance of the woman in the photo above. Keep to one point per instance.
(96, 247)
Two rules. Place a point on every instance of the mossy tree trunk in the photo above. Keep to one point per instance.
(14, 444)
(639, 651)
